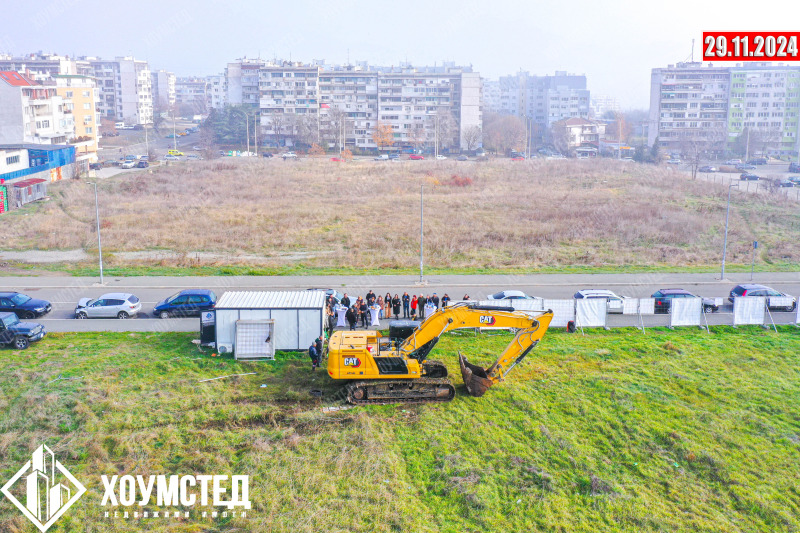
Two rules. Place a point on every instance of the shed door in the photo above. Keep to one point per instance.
(286, 330)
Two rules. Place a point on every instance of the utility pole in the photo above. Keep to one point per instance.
(255, 133)
(421, 233)
(97, 219)
(725, 241)
(174, 135)
(747, 149)
(753, 264)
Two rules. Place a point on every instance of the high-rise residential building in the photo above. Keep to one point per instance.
(163, 85)
(702, 107)
(41, 67)
(602, 104)
(345, 104)
(217, 91)
(31, 112)
(125, 89)
(79, 94)
(191, 93)
(242, 78)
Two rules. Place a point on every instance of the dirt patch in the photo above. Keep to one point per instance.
(45, 256)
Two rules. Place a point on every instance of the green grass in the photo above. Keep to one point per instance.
(299, 269)
(612, 431)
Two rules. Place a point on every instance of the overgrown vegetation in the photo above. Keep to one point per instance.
(363, 215)
(612, 431)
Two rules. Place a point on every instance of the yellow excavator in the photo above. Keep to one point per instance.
(395, 369)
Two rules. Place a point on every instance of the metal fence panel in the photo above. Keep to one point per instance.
(647, 306)
(563, 311)
(630, 306)
(749, 310)
(780, 301)
(590, 312)
(686, 312)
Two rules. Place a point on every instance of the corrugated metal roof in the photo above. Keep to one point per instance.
(27, 182)
(271, 300)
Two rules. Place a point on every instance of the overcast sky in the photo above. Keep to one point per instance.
(615, 43)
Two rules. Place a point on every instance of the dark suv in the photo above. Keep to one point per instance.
(190, 302)
(754, 289)
(19, 334)
(794, 167)
(663, 299)
(24, 306)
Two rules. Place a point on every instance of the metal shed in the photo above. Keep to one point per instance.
(297, 317)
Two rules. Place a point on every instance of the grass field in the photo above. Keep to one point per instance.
(612, 431)
(316, 216)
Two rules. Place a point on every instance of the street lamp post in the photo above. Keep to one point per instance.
(421, 233)
(99, 244)
(725, 241)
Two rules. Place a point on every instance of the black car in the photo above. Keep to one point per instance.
(747, 176)
(22, 305)
(785, 183)
(190, 302)
(95, 166)
(794, 167)
(142, 164)
(664, 298)
(707, 169)
(19, 334)
(462, 158)
(755, 289)
(267, 154)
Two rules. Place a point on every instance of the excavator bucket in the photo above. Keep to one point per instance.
(475, 378)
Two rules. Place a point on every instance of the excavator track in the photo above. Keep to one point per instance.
(434, 369)
(420, 390)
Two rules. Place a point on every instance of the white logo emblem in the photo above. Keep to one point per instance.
(49, 489)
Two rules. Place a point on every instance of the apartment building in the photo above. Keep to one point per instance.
(216, 91)
(343, 105)
(163, 85)
(79, 94)
(714, 109)
(31, 112)
(125, 87)
(242, 81)
(42, 67)
(602, 104)
(191, 93)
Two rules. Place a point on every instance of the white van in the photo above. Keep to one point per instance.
(119, 125)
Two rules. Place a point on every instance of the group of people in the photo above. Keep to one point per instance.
(362, 309)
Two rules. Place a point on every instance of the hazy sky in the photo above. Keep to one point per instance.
(615, 43)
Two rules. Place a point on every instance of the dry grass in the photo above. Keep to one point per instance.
(365, 214)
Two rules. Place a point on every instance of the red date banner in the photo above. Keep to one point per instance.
(750, 46)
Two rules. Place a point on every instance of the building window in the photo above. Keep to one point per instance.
(87, 106)
(69, 94)
(88, 129)
(12, 160)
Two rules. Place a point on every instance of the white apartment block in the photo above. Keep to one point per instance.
(346, 103)
(217, 91)
(242, 81)
(42, 67)
(602, 104)
(125, 89)
(31, 112)
(191, 92)
(163, 85)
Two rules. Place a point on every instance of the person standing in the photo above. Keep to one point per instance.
(421, 304)
(406, 302)
(414, 307)
(445, 300)
(435, 301)
(319, 343)
(345, 300)
(466, 297)
(331, 315)
(351, 317)
(387, 305)
(364, 313)
(396, 306)
(370, 297)
(380, 304)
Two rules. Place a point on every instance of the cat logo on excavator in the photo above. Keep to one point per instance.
(352, 361)
(488, 320)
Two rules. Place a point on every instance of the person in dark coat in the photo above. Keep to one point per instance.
(396, 306)
(314, 355)
(351, 317)
(318, 344)
(345, 300)
(466, 297)
(370, 297)
(406, 305)
(435, 300)
(445, 300)
(363, 313)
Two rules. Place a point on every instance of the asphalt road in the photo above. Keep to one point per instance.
(64, 292)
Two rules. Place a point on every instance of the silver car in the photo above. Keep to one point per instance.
(615, 302)
(112, 305)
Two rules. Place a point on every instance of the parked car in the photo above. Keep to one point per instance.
(664, 297)
(112, 305)
(614, 301)
(510, 295)
(441, 157)
(171, 158)
(289, 155)
(131, 158)
(337, 159)
(674, 162)
(197, 148)
(462, 158)
(328, 292)
(382, 157)
(129, 164)
(267, 154)
(23, 305)
(175, 152)
(755, 289)
(416, 157)
(138, 127)
(142, 164)
(794, 167)
(18, 334)
(745, 166)
(394, 156)
(194, 156)
(795, 180)
(95, 166)
(758, 161)
(785, 183)
(170, 136)
(189, 302)
(733, 162)
(707, 169)
(748, 176)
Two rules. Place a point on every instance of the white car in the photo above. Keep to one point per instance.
(289, 155)
(197, 148)
(169, 157)
(441, 157)
(733, 162)
(129, 164)
(615, 304)
(510, 295)
(112, 305)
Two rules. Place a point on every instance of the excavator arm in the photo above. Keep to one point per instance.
(530, 330)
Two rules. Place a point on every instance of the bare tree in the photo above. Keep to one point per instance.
(416, 135)
(336, 119)
(472, 137)
(277, 124)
